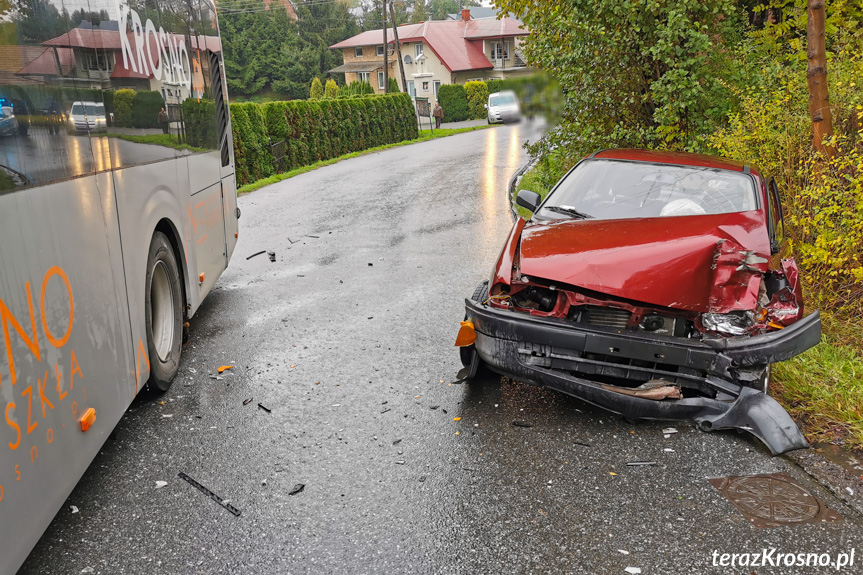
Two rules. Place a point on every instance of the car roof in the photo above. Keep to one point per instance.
(676, 158)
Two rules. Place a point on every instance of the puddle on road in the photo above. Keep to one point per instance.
(841, 457)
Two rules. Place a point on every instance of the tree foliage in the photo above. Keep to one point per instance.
(316, 92)
(266, 51)
(635, 72)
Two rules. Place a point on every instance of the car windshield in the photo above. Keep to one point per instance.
(89, 109)
(613, 190)
(501, 99)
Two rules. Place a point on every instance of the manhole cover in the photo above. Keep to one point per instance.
(773, 500)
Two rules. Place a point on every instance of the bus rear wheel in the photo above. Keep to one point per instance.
(163, 309)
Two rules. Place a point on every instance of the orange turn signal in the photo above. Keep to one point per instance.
(88, 419)
(466, 334)
(201, 278)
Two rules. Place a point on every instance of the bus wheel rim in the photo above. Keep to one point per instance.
(162, 311)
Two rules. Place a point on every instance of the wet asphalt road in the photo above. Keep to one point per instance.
(347, 339)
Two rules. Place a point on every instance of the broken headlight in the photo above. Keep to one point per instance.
(734, 323)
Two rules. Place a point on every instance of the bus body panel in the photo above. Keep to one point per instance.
(79, 209)
(83, 339)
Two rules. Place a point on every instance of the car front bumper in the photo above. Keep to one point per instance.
(574, 358)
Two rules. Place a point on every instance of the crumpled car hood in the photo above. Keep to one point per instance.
(709, 263)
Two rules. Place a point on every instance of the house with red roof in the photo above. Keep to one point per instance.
(436, 53)
(91, 57)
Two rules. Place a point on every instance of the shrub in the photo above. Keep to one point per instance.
(392, 86)
(123, 107)
(145, 109)
(477, 98)
(331, 90)
(317, 90)
(199, 119)
(453, 100)
(494, 86)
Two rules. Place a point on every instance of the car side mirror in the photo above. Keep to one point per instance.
(528, 200)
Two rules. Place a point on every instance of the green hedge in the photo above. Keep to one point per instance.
(315, 130)
(477, 98)
(251, 144)
(453, 100)
(123, 100)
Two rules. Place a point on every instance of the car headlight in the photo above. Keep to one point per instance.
(734, 323)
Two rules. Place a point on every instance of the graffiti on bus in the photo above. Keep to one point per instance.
(26, 414)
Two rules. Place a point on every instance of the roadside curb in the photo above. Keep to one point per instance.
(844, 485)
(513, 184)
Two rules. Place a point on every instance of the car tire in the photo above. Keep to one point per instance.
(163, 309)
(468, 352)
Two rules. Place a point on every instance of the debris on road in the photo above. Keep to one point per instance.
(433, 407)
(519, 423)
(193, 370)
(213, 376)
(640, 463)
(581, 443)
(400, 462)
(371, 264)
(669, 430)
(248, 401)
(397, 441)
(456, 418)
(422, 478)
(633, 570)
(74, 509)
(264, 481)
(612, 473)
(209, 493)
(297, 488)
(315, 237)
(624, 551)
(167, 415)
(272, 256)
(265, 408)
(224, 368)
(256, 254)
(87, 570)
(668, 450)
(386, 409)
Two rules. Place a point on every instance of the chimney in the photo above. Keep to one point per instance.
(465, 14)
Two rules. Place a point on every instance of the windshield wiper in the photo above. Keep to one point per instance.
(568, 210)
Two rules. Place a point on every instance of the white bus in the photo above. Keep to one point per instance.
(118, 213)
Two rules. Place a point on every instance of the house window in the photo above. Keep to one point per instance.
(381, 83)
(412, 89)
(425, 86)
(358, 52)
(500, 50)
(436, 85)
(379, 50)
(418, 49)
(94, 60)
(362, 76)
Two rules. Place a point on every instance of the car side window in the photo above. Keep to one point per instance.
(776, 225)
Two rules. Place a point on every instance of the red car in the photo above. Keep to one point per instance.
(657, 285)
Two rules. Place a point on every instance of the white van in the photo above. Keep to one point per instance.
(88, 117)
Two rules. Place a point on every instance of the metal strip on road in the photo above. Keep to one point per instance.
(209, 493)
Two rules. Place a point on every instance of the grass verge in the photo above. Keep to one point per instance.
(166, 140)
(423, 137)
(822, 389)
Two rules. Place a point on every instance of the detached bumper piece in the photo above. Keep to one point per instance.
(680, 379)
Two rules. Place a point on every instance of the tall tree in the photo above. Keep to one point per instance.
(816, 75)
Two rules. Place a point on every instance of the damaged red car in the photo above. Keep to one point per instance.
(657, 285)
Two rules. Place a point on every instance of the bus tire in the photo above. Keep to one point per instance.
(163, 298)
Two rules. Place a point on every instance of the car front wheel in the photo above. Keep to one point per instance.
(468, 353)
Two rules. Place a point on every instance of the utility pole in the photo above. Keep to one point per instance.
(398, 48)
(816, 76)
(386, 48)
